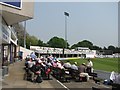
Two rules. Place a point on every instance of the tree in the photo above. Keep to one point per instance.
(57, 42)
(28, 41)
(84, 43)
(20, 35)
(40, 43)
(111, 48)
(74, 46)
(19, 29)
(97, 48)
(31, 41)
(104, 48)
(34, 40)
(117, 50)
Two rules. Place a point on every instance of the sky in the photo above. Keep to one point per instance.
(93, 21)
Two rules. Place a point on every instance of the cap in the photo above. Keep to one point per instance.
(83, 63)
(75, 62)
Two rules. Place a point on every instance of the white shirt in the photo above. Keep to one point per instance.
(74, 67)
(112, 76)
(49, 64)
(30, 64)
(115, 77)
(59, 65)
(90, 64)
(67, 65)
(39, 61)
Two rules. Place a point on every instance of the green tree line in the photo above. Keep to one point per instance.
(56, 42)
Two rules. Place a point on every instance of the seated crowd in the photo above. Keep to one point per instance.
(46, 65)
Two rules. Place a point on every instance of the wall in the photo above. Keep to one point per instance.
(25, 52)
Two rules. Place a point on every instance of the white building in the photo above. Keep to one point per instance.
(81, 52)
(86, 52)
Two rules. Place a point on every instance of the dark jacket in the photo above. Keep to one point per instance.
(35, 68)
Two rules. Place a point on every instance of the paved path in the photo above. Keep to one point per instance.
(15, 80)
(87, 85)
(103, 74)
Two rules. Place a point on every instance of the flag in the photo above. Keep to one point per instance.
(67, 14)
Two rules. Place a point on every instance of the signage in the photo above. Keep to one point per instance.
(12, 3)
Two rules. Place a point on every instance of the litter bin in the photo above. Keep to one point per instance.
(5, 71)
(0, 74)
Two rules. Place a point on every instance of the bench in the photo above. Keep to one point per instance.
(95, 78)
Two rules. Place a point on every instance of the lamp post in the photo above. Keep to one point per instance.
(66, 15)
(24, 34)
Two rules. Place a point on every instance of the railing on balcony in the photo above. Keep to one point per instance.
(9, 34)
(5, 33)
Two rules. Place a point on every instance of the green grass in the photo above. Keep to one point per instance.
(106, 64)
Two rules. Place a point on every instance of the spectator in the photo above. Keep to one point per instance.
(82, 70)
(35, 70)
(28, 57)
(30, 63)
(115, 78)
(74, 66)
(89, 66)
(60, 65)
(67, 65)
(54, 63)
(49, 63)
(33, 56)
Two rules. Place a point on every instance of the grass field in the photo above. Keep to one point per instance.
(106, 64)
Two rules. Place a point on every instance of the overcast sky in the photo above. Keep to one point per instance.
(93, 21)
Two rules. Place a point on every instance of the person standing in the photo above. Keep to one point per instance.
(33, 56)
(89, 66)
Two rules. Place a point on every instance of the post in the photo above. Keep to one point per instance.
(24, 34)
(66, 31)
(66, 14)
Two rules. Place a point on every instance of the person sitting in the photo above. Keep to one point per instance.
(49, 63)
(67, 65)
(54, 63)
(31, 63)
(74, 66)
(35, 70)
(82, 70)
(60, 65)
(74, 70)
